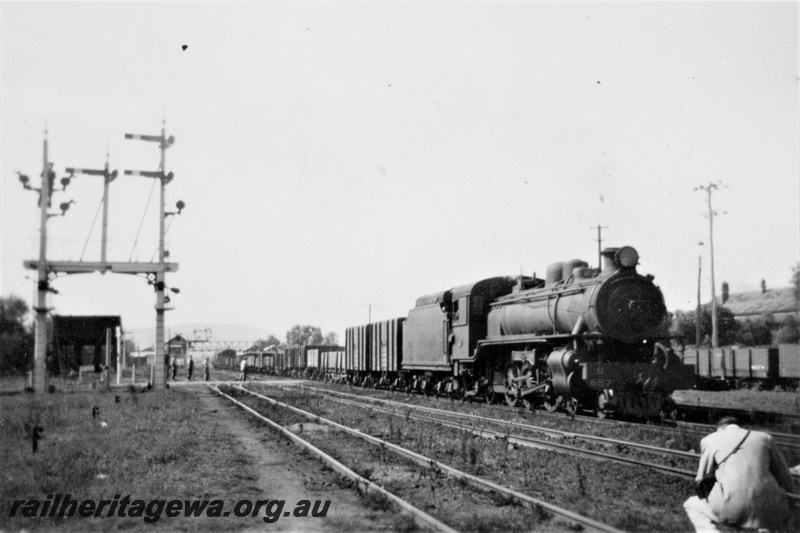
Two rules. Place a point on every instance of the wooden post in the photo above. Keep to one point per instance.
(107, 378)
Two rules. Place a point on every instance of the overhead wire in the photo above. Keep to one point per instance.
(166, 230)
(141, 222)
(90, 230)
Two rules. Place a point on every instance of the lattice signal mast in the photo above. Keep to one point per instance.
(155, 271)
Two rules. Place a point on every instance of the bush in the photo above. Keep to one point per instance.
(757, 332)
(684, 326)
(789, 333)
(16, 338)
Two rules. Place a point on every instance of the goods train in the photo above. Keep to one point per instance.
(306, 360)
(738, 367)
(582, 338)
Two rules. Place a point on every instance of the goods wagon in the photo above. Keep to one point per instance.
(742, 366)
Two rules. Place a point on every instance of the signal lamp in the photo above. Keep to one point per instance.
(64, 206)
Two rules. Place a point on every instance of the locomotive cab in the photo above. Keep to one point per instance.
(445, 327)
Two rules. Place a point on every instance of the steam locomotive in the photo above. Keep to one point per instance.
(582, 338)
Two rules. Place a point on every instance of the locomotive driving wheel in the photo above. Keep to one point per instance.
(511, 385)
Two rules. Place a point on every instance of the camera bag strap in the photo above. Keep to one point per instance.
(736, 448)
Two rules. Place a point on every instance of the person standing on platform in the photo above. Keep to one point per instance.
(243, 367)
(174, 366)
(205, 369)
(190, 368)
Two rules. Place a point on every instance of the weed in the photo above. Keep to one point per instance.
(405, 524)
(526, 465)
(581, 481)
(363, 470)
(376, 501)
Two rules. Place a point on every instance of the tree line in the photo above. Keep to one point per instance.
(299, 334)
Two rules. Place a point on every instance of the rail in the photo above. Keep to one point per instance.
(436, 465)
(526, 427)
(530, 441)
(366, 484)
(671, 470)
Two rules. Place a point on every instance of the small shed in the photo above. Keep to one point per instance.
(81, 341)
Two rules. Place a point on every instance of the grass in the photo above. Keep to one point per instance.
(154, 446)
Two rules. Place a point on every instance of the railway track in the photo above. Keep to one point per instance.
(788, 441)
(785, 440)
(514, 432)
(401, 409)
(535, 442)
(423, 461)
(424, 519)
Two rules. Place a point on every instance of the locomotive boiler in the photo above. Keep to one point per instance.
(591, 338)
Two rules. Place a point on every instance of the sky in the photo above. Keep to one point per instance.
(339, 160)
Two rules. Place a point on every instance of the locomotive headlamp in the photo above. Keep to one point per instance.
(627, 256)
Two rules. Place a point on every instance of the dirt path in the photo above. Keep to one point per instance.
(279, 471)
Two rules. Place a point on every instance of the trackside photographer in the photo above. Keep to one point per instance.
(742, 481)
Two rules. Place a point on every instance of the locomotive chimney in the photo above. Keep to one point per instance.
(725, 291)
(609, 265)
(615, 259)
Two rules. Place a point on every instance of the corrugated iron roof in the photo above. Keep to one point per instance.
(772, 301)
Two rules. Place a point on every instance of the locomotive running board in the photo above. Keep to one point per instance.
(510, 340)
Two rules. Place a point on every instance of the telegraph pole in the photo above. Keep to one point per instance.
(599, 243)
(160, 363)
(698, 321)
(714, 330)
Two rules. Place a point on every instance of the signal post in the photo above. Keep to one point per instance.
(155, 272)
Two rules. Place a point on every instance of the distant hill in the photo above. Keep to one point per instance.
(145, 336)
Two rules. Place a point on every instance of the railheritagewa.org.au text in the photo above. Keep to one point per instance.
(151, 511)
